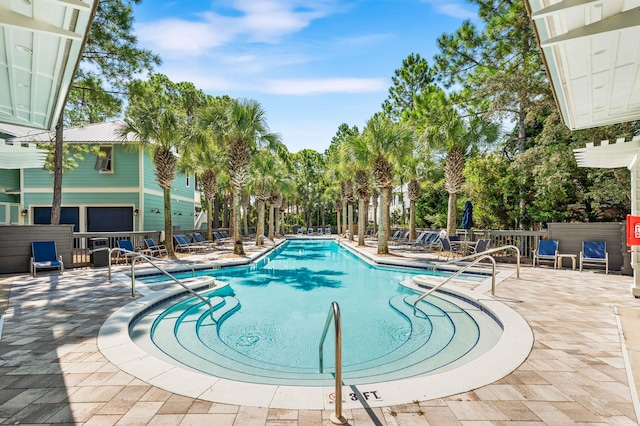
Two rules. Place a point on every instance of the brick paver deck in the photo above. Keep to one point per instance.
(51, 371)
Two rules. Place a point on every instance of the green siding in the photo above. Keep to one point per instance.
(125, 173)
(10, 179)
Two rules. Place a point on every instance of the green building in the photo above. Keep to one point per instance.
(111, 192)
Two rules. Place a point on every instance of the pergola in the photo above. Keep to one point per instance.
(591, 50)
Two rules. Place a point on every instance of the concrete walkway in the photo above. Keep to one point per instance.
(52, 372)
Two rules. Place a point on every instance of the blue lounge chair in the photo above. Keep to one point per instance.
(594, 253)
(155, 249)
(319, 231)
(418, 240)
(310, 231)
(128, 251)
(299, 232)
(45, 255)
(183, 244)
(327, 230)
(547, 250)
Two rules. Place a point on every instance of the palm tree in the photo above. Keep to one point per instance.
(383, 145)
(456, 135)
(241, 126)
(158, 116)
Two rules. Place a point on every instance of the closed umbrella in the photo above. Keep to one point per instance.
(467, 216)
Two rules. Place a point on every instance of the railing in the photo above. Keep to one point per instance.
(334, 313)
(488, 251)
(138, 255)
(460, 271)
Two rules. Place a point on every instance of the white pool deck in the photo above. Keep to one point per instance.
(58, 367)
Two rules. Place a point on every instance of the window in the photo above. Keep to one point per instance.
(188, 181)
(104, 163)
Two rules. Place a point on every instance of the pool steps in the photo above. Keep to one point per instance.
(176, 334)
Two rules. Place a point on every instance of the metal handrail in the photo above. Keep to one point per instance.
(460, 271)
(334, 313)
(139, 255)
(488, 251)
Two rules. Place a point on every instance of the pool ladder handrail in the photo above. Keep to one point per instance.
(457, 273)
(334, 313)
(488, 251)
(138, 255)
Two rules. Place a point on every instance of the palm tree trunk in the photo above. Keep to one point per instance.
(209, 221)
(344, 217)
(412, 220)
(451, 214)
(383, 234)
(168, 226)
(350, 217)
(56, 205)
(260, 224)
(362, 220)
(276, 221)
(271, 214)
(238, 247)
(338, 227)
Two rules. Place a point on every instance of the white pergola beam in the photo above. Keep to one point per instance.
(562, 6)
(617, 22)
(9, 18)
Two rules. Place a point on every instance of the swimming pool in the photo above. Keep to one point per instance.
(268, 321)
(150, 365)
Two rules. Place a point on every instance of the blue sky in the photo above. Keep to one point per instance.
(312, 64)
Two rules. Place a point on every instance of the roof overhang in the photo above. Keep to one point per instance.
(41, 43)
(591, 50)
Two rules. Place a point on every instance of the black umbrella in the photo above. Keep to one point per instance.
(467, 215)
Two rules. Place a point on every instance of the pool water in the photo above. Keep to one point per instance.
(269, 321)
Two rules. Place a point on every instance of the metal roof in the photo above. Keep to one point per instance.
(92, 133)
(591, 49)
(41, 42)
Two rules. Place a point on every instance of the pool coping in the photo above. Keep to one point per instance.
(513, 349)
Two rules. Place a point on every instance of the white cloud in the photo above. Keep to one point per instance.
(264, 21)
(455, 9)
(305, 87)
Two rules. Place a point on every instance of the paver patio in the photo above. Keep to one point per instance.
(51, 371)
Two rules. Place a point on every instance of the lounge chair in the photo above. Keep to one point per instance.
(183, 244)
(219, 238)
(418, 240)
(155, 249)
(429, 241)
(310, 231)
(44, 254)
(547, 250)
(403, 237)
(327, 230)
(395, 236)
(128, 252)
(299, 232)
(594, 253)
(319, 231)
(198, 238)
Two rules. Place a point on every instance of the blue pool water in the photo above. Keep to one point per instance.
(268, 322)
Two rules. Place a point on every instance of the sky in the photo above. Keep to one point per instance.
(312, 64)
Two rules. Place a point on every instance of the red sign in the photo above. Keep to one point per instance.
(633, 230)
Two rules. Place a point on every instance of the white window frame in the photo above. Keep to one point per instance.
(101, 161)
